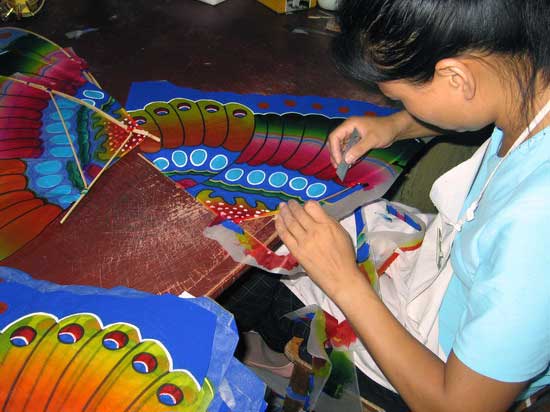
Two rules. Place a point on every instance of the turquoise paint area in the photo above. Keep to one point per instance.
(94, 94)
(47, 182)
(179, 158)
(233, 175)
(89, 101)
(60, 190)
(60, 139)
(219, 162)
(316, 190)
(198, 157)
(48, 176)
(48, 167)
(55, 127)
(256, 177)
(67, 200)
(64, 103)
(66, 114)
(278, 179)
(161, 163)
(61, 151)
(298, 183)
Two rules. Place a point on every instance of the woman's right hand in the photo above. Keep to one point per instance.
(375, 132)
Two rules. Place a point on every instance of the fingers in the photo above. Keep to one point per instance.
(356, 151)
(315, 212)
(301, 213)
(336, 141)
(335, 146)
(294, 221)
(339, 137)
(285, 235)
(289, 220)
(376, 132)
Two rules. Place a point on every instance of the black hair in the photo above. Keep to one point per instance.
(383, 40)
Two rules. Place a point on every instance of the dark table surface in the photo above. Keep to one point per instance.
(238, 45)
(135, 228)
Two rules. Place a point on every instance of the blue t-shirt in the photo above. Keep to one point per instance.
(495, 315)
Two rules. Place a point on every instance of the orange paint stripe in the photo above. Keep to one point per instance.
(9, 199)
(12, 167)
(19, 232)
(11, 213)
(12, 183)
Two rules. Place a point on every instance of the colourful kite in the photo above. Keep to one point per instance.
(58, 131)
(80, 349)
(241, 155)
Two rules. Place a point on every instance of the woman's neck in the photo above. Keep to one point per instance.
(512, 119)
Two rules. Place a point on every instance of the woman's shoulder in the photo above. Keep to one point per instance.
(516, 223)
(531, 193)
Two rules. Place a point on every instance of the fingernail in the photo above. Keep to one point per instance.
(349, 159)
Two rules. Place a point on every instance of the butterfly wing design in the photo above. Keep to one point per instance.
(58, 131)
(242, 165)
(76, 365)
(85, 349)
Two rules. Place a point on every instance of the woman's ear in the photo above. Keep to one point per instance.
(458, 75)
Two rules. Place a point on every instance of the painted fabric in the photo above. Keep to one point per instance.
(241, 155)
(333, 370)
(378, 247)
(387, 236)
(58, 131)
(82, 348)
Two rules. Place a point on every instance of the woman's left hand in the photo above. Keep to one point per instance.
(320, 244)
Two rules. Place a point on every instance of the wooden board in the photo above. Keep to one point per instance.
(135, 229)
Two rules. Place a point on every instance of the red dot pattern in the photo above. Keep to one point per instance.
(315, 106)
(117, 135)
(236, 213)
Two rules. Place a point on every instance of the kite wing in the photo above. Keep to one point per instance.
(76, 348)
(241, 155)
(58, 131)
